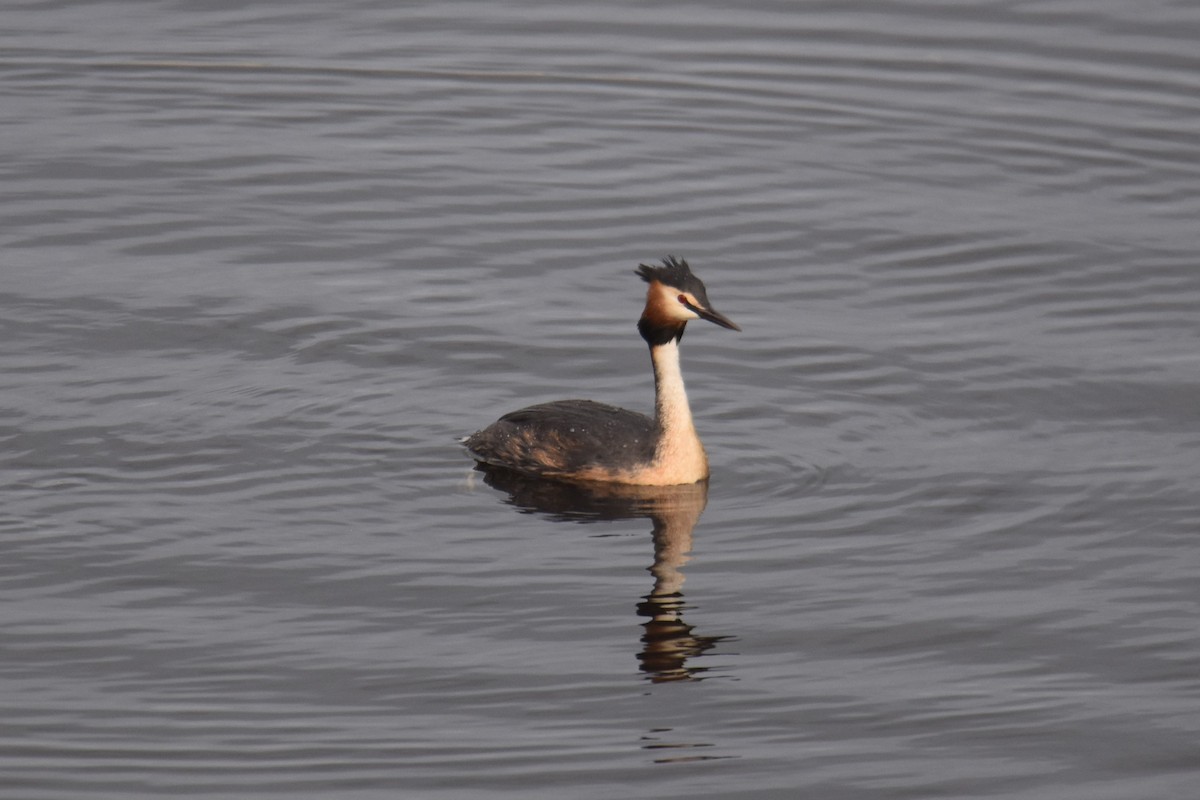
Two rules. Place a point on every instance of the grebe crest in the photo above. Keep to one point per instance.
(582, 440)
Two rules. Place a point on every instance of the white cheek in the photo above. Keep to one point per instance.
(669, 302)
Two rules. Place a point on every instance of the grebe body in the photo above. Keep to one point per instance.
(582, 440)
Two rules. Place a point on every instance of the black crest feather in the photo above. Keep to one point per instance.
(674, 272)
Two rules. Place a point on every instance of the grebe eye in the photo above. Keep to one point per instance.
(682, 300)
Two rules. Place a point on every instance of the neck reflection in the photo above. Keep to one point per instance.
(668, 643)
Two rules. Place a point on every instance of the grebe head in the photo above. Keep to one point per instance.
(675, 296)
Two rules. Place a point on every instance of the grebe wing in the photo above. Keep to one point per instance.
(566, 437)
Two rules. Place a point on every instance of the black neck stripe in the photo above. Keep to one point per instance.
(657, 334)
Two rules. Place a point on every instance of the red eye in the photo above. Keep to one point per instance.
(682, 300)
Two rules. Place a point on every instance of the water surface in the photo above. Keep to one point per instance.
(262, 264)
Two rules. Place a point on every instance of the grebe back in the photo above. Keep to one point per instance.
(588, 441)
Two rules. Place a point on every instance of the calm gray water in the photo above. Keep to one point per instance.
(263, 263)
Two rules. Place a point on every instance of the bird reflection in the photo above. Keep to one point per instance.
(668, 643)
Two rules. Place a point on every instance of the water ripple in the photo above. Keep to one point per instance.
(265, 264)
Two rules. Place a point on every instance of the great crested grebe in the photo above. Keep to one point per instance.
(582, 440)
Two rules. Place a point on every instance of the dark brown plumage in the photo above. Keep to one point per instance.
(566, 437)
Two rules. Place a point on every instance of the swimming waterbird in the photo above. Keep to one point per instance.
(582, 440)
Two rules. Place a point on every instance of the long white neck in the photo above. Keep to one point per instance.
(670, 397)
(679, 453)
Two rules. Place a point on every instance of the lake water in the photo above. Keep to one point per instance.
(264, 263)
